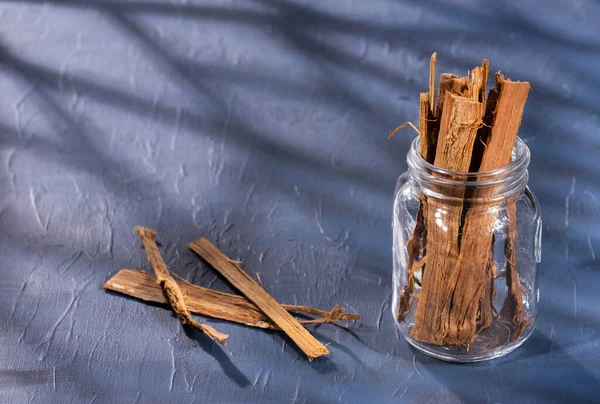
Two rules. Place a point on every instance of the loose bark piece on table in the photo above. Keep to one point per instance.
(168, 284)
(211, 303)
(265, 302)
(460, 120)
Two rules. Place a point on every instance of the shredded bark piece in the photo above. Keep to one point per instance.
(211, 303)
(404, 125)
(470, 275)
(265, 302)
(458, 127)
(169, 285)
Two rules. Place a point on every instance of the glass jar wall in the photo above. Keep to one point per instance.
(466, 248)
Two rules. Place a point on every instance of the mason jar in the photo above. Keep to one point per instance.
(465, 251)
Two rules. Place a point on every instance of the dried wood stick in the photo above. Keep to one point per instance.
(416, 245)
(428, 132)
(211, 303)
(509, 107)
(265, 302)
(164, 279)
(458, 127)
(508, 112)
(477, 232)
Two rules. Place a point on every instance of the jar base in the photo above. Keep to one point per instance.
(461, 355)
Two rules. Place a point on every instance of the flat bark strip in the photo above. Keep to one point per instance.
(265, 302)
(458, 128)
(211, 303)
(168, 284)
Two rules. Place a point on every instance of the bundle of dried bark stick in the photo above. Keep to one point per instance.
(256, 308)
(463, 132)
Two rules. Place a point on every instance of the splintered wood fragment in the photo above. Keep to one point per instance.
(168, 284)
(432, 83)
(485, 70)
(427, 131)
(265, 302)
(211, 303)
(486, 306)
(460, 120)
(453, 84)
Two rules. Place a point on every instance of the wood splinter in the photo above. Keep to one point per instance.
(172, 290)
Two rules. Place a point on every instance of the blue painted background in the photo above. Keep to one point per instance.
(261, 125)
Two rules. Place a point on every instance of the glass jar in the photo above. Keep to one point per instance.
(466, 247)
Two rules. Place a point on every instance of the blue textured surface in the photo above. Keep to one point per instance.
(261, 125)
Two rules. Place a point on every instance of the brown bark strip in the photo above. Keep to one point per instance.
(458, 127)
(168, 284)
(265, 302)
(513, 304)
(509, 107)
(486, 306)
(427, 130)
(211, 303)
(416, 245)
(485, 71)
(477, 232)
(509, 103)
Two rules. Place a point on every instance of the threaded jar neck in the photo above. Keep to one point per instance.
(492, 186)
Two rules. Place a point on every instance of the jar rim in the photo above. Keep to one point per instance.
(498, 184)
(520, 161)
